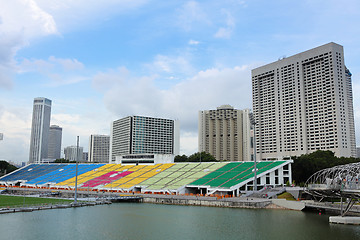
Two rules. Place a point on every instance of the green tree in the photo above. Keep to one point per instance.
(202, 157)
(307, 164)
(182, 158)
(6, 168)
(63, 160)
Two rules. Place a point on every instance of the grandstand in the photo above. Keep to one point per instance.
(173, 178)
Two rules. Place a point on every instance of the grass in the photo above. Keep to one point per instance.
(19, 201)
(286, 196)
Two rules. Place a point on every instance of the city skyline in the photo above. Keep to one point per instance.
(100, 62)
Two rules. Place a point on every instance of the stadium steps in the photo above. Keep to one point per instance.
(82, 178)
(130, 181)
(261, 166)
(213, 176)
(62, 174)
(182, 176)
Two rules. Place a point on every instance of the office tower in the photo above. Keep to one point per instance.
(304, 103)
(1, 136)
(85, 157)
(70, 153)
(54, 145)
(225, 133)
(138, 134)
(40, 130)
(99, 147)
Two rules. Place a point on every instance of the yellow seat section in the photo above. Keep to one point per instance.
(155, 169)
(138, 171)
(89, 175)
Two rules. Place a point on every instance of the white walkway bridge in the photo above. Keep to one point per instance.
(336, 182)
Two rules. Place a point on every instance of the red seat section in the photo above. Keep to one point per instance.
(106, 178)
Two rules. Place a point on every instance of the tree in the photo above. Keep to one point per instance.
(63, 160)
(307, 164)
(6, 168)
(182, 158)
(195, 157)
(202, 157)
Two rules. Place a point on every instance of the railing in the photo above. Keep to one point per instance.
(344, 185)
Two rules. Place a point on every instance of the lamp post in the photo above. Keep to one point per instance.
(253, 122)
(76, 169)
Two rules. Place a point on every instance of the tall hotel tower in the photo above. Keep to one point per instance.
(99, 148)
(54, 145)
(304, 103)
(225, 133)
(138, 134)
(40, 130)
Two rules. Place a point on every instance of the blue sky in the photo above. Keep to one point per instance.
(102, 60)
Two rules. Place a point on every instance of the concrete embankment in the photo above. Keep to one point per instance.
(47, 207)
(208, 201)
(187, 200)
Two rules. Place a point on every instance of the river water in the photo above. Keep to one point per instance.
(150, 221)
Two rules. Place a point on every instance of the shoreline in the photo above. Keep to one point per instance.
(184, 200)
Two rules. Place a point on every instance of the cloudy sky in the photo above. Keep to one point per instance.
(99, 61)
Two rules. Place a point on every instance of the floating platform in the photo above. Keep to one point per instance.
(345, 220)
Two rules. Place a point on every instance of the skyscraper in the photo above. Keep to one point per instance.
(40, 130)
(99, 148)
(225, 133)
(304, 103)
(138, 134)
(54, 145)
(70, 153)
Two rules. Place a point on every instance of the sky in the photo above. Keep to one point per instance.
(99, 61)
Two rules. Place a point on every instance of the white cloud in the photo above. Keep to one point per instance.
(70, 14)
(20, 22)
(128, 95)
(67, 64)
(193, 42)
(59, 71)
(25, 17)
(15, 124)
(226, 32)
(190, 14)
(50, 65)
(24, 20)
(169, 64)
(189, 143)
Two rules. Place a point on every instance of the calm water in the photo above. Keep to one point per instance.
(150, 221)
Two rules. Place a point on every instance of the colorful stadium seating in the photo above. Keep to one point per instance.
(153, 178)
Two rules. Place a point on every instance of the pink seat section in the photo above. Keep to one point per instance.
(106, 178)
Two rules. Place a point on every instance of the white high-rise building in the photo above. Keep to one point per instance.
(99, 148)
(138, 134)
(54, 145)
(304, 103)
(225, 133)
(40, 130)
(70, 153)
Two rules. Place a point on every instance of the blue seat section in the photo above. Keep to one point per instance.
(31, 171)
(64, 173)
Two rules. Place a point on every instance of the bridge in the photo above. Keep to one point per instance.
(337, 182)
